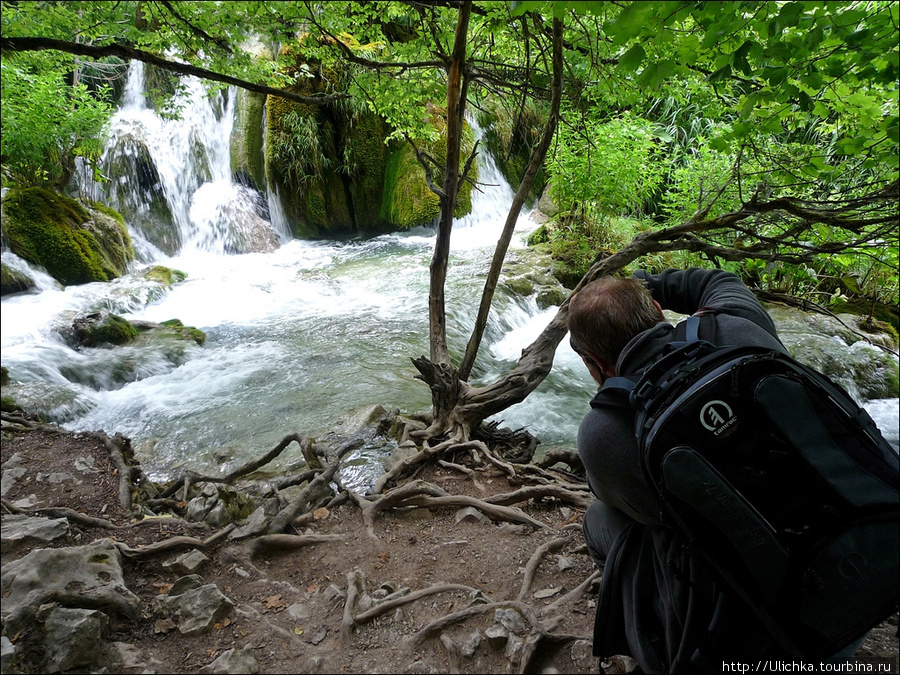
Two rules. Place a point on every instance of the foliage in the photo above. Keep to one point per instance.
(616, 165)
(46, 122)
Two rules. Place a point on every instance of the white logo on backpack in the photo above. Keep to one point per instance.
(717, 416)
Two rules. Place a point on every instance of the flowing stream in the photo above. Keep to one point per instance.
(299, 338)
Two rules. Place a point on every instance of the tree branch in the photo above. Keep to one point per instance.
(25, 44)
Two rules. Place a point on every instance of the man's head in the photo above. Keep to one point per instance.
(604, 316)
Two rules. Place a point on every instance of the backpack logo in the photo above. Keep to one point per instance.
(717, 417)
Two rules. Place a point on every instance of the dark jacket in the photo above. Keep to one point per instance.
(606, 441)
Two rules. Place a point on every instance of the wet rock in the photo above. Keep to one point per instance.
(73, 638)
(234, 661)
(18, 530)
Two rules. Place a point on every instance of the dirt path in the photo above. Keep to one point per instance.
(439, 589)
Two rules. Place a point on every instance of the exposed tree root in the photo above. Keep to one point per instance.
(283, 518)
(535, 561)
(61, 512)
(442, 622)
(572, 596)
(172, 544)
(579, 499)
(288, 542)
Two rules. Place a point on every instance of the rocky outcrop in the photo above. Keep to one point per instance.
(75, 242)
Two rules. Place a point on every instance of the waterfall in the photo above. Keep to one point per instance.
(300, 334)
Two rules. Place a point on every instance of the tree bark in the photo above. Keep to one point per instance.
(534, 164)
(456, 105)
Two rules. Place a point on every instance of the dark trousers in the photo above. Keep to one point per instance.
(602, 524)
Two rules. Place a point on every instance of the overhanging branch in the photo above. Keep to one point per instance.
(30, 44)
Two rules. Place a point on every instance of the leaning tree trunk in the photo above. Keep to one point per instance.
(454, 414)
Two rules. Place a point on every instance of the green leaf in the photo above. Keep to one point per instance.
(632, 59)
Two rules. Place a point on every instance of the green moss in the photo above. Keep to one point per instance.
(164, 275)
(112, 329)
(8, 404)
(407, 200)
(247, 152)
(63, 237)
(885, 313)
(4, 376)
(180, 331)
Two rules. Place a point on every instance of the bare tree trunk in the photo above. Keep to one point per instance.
(456, 105)
(534, 164)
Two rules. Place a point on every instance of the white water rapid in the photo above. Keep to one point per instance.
(298, 338)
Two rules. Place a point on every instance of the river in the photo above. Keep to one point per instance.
(298, 339)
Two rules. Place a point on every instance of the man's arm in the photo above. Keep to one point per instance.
(686, 291)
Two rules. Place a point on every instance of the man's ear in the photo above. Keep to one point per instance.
(608, 369)
(659, 307)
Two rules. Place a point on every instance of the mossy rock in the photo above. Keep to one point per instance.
(4, 376)
(75, 243)
(95, 329)
(178, 330)
(14, 281)
(248, 162)
(865, 308)
(510, 134)
(8, 405)
(407, 201)
(164, 275)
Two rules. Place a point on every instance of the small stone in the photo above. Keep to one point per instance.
(187, 563)
(234, 661)
(564, 563)
(510, 619)
(470, 515)
(547, 593)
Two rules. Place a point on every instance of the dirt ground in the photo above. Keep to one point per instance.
(289, 605)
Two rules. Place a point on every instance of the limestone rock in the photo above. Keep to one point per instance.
(196, 609)
(73, 638)
(19, 530)
(94, 570)
(187, 563)
(234, 661)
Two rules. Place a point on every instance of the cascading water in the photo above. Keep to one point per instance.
(299, 335)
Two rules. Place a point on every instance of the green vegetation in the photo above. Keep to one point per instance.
(178, 330)
(164, 275)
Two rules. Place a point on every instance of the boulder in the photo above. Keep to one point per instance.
(73, 638)
(20, 530)
(75, 242)
(195, 609)
(94, 570)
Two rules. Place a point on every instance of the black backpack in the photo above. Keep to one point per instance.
(779, 479)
